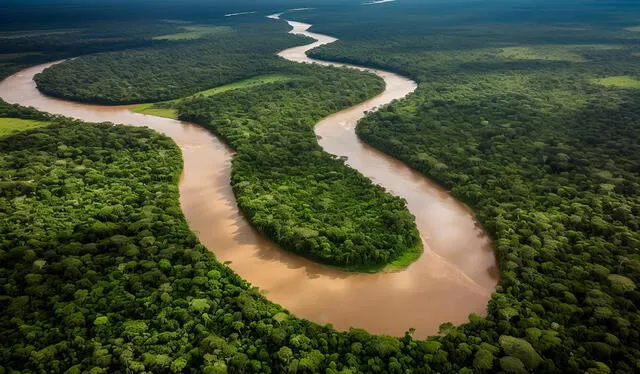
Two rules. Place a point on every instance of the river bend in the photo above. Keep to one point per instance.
(453, 278)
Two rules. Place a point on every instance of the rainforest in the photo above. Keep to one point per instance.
(320, 186)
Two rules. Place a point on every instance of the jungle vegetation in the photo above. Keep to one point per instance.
(34, 32)
(101, 274)
(173, 70)
(24, 47)
(537, 129)
(546, 157)
(306, 200)
(168, 108)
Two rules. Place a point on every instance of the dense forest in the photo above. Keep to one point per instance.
(23, 48)
(306, 200)
(172, 69)
(542, 140)
(101, 274)
(41, 31)
(528, 116)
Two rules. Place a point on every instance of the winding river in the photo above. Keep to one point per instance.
(454, 277)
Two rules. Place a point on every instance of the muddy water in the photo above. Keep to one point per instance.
(446, 226)
(454, 277)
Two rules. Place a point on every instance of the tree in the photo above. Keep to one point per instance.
(512, 364)
(621, 284)
(285, 354)
(483, 360)
(520, 349)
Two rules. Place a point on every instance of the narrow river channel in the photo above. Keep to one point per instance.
(454, 277)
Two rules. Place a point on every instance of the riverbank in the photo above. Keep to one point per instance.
(431, 291)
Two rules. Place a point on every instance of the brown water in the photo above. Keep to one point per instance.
(454, 277)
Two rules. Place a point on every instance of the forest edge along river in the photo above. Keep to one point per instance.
(454, 277)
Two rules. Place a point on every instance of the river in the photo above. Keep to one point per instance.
(454, 277)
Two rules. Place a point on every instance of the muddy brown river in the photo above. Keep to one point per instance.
(453, 278)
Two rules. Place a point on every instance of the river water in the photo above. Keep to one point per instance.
(454, 277)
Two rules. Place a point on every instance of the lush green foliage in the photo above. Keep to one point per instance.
(311, 204)
(172, 70)
(20, 49)
(101, 274)
(167, 108)
(304, 199)
(547, 159)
